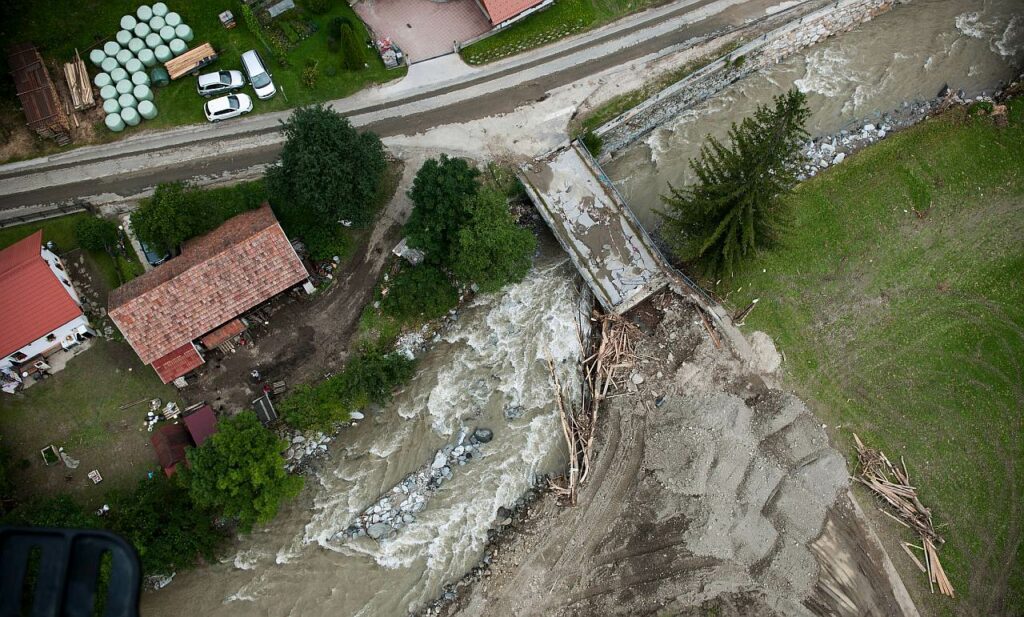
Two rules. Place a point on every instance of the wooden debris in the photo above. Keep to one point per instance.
(191, 61)
(740, 317)
(79, 85)
(615, 352)
(892, 485)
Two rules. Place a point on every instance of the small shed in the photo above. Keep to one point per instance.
(170, 442)
(265, 410)
(44, 110)
(201, 424)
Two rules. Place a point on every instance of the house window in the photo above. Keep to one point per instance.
(18, 356)
(66, 282)
(51, 337)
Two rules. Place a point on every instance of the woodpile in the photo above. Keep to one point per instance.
(602, 376)
(79, 85)
(191, 61)
(892, 484)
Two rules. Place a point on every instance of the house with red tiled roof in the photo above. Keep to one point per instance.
(40, 312)
(502, 13)
(201, 293)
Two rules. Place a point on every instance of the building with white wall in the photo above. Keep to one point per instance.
(40, 312)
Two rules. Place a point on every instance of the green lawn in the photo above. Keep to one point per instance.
(561, 19)
(79, 408)
(61, 231)
(909, 330)
(58, 27)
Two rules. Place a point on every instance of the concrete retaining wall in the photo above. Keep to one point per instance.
(768, 49)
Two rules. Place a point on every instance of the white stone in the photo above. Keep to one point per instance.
(298, 439)
(839, 158)
(439, 461)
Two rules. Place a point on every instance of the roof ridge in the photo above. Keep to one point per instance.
(19, 254)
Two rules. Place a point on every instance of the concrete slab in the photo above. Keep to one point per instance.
(422, 28)
(604, 240)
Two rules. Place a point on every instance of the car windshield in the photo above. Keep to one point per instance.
(261, 80)
(233, 102)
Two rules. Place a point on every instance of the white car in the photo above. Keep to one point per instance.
(220, 82)
(229, 106)
(259, 76)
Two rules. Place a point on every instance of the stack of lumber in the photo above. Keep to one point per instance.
(892, 485)
(79, 85)
(190, 61)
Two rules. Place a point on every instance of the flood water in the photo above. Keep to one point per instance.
(906, 54)
(494, 358)
(492, 361)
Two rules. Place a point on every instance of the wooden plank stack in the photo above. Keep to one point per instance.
(79, 85)
(892, 485)
(190, 61)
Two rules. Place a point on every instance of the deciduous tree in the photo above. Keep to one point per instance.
(240, 473)
(440, 194)
(96, 234)
(492, 250)
(735, 207)
(328, 172)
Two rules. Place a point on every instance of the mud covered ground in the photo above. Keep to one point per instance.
(726, 498)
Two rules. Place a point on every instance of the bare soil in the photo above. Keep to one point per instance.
(726, 498)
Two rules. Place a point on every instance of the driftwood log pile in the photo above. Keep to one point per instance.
(891, 483)
(602, 376)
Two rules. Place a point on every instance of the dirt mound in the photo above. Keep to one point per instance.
(711, 493)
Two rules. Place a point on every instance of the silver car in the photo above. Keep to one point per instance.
(220, 82)
(230, 106)
(259, 76)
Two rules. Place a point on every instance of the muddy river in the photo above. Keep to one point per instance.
(490, 369)
(904, 55)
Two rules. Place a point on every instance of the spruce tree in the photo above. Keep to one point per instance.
(736, 205)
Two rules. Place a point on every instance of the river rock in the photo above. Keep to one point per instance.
(439, 460)
(839, 158)
(378, 530)
(483, 435)
(356, 415)
(637, 378)
(298, 439)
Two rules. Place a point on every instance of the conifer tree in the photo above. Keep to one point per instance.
(736, 205)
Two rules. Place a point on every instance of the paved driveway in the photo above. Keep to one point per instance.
(423, 29)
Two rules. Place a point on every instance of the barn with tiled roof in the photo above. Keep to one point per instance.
(218, 277)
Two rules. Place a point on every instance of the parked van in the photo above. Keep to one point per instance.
(258, 74)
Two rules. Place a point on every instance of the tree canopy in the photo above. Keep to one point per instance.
(329, 172)
(491, 249)
(439, 194)
(240, 473)
(178, 211)
(96, 234)
(735, 207)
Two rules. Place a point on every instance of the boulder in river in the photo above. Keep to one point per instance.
(483, 435)
(378, 530)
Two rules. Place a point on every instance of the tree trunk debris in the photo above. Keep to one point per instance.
(616, 350)
(892, 485)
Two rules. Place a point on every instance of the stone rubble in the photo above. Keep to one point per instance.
(303, 447)
(399, 506)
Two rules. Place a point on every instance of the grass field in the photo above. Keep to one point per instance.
(58, 27)
(79, 408)
(61, 231)
(561, 19)
(908, 329)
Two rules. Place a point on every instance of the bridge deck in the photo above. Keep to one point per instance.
(610, 249)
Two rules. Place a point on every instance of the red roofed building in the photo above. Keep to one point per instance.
(218, 277)
(39, 310)
(501, 13)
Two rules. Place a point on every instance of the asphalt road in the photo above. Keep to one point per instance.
(138, 165)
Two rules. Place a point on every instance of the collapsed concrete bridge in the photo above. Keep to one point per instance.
(606, 243)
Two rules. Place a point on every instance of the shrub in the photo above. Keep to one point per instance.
(593, 142)
(368, 377)
(421, 291)
(351, 48)
(311, 74)
(439, 195)
(96, 234)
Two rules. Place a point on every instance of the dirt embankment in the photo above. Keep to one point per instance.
(722, 497)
